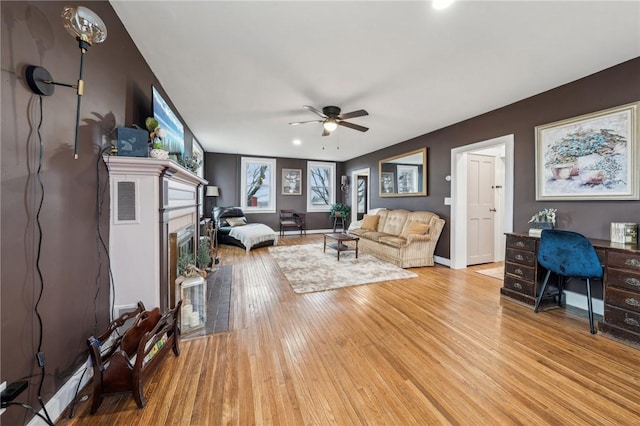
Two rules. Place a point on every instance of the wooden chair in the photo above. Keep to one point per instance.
(289, 219)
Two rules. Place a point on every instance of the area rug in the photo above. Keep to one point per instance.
(497, 272)
(308, 269)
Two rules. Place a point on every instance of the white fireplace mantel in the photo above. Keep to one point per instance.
(150, 198)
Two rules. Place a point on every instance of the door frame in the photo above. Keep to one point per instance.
(458, 241)
(354, 193)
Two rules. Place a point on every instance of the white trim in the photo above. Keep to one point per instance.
(458, 221)
(331, 188)
(442, 260)
(579, 301)
(354, 191)
(61, 400)
(271, 163)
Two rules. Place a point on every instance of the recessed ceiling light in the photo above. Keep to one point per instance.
(441, 4)
(297, 142)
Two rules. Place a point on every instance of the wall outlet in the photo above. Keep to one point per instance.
(3, 386)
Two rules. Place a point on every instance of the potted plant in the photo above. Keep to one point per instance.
(156, 133)
(340, 210)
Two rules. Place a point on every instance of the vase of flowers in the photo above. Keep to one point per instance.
(544, 219)
(156, 133)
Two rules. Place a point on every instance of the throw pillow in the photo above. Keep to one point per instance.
(370, 222)
(415, 228)
(236, 221)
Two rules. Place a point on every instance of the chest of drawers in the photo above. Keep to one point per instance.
(622, 296)
(621, 285)
(521, 269)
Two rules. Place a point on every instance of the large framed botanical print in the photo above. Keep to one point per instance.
(590, 157)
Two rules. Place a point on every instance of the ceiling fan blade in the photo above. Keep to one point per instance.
(353, 126)
(325, 132)
(312, 109)
(295, 123)
(353, 114)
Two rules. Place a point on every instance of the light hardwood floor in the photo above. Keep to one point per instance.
(442, 348)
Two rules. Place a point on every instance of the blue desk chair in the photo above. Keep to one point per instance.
(571, 255)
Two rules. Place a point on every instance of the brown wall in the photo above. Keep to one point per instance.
(612, 87)
(75, 297)
(223, 170)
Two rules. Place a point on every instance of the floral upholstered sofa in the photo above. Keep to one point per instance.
(407, 239)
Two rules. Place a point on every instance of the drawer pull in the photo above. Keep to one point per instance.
(520, 244)
(632, 262)
(631, 302)
(519, 257)
(632, 321)
(632, 281)
(519, 272)
(517, 285)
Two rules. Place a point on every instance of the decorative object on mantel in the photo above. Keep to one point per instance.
(156, 133)
(192, 163)
(626, 233)
(544, 219)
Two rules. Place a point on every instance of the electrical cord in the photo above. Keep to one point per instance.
(31, 409)
(99, 202)
(40, 354)
(100, 242)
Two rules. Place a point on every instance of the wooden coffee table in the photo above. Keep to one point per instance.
(338, 245)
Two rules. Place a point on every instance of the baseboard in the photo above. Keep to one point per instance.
(579, 301)
(61, 400)
(442, 261)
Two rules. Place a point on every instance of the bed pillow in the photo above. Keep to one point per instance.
(236, 221)
(415, 228)
(370, 222)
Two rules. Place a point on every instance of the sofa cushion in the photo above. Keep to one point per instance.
(373, 235)
(414, 227)
(393, 241)
(395, 221)
(370, 222)
(236, 221)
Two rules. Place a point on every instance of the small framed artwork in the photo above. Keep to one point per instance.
(291, 182)
(387, 183)
(590, 157)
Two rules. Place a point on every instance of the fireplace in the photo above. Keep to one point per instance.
(152, 203)
(181, 248)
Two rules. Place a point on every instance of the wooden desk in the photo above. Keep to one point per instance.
(621, 285)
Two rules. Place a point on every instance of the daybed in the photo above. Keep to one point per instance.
(406, 239)
(233, 229)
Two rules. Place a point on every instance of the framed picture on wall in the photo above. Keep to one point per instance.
(590, 157)
(387, 183)
(291, 181)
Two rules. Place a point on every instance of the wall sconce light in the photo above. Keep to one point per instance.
(87, 28)
(344, 183)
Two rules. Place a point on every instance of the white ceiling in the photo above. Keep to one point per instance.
(240, 71)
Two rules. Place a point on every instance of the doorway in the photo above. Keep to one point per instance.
(360, 193)
(501, 149)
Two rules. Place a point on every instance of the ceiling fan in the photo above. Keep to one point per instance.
(331, 119)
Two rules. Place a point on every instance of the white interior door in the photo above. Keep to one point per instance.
(481, 209)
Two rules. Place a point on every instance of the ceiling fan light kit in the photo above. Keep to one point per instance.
(331, 119)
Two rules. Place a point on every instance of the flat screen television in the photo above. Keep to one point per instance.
(174, 140)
